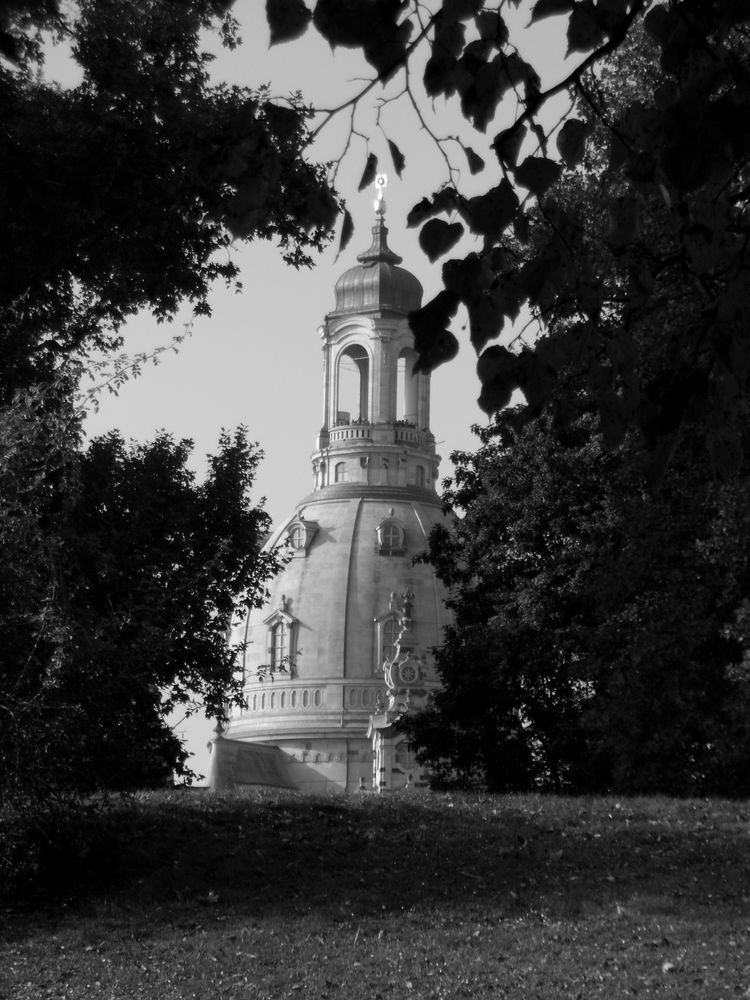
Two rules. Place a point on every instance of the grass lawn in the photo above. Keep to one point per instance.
(271, 895)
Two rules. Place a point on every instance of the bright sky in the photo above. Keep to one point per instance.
(257, 360)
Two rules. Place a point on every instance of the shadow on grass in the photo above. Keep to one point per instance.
(348, 858)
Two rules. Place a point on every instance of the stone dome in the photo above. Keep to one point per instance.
(337, 603)
(377, 282)
(345, 636)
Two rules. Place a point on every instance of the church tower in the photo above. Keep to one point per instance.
(323, 655)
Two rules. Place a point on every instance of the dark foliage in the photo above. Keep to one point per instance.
(600, 641)
(120, 579)
(125, 192)
(673, 158)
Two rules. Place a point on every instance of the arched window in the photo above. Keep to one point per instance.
(352, 384)
(391, 540)
(420, 475)
(279, 644)
(407, 387)
(390, 635)
(300, 533)
(391, 537)
(340, 473)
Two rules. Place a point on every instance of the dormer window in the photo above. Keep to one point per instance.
(281, 626)
(391, 539)
(300, 534)
(279, 645)
(297, 537)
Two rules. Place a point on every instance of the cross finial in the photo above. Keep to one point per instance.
(381, 183)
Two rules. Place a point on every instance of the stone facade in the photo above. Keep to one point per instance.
(317, 654)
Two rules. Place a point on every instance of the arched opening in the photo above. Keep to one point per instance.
(352, 385)
(407, 396)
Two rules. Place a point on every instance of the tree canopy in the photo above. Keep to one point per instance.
(675, 169)
(120, 579)
(599, 641)
(126, 191)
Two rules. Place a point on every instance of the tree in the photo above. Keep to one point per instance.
(599, 641)
(120, 581)
(605, 619)
(126, 191)
(681, 144)
(119, 574)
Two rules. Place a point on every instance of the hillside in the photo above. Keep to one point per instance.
(267, 896)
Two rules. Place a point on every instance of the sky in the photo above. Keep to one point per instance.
(257, 360)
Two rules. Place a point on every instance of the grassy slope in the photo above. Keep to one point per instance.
(271, 895)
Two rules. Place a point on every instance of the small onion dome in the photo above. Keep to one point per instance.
(377, 282)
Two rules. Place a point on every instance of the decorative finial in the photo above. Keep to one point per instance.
(381, 182)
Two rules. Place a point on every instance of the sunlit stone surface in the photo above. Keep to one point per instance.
(343, 644)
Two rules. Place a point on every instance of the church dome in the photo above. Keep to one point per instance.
(331, 618)
(377, 282)
(346, 633)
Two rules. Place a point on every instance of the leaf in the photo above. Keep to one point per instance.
(467, 277)
(476, 163)
(432, 341)
(497, 370)
(585, 27)
(439, 76)
(399, 160)
(491, 27)
(536, 379)
(461, 10)
(446, 200)
(538, 174)
(347, 231)
(548, 8)
(287, 19)
(486, 320)
(368, 174)
(386, 48)
(346, 22)
(491, 213)
(284, 121)
(482, 85)
(507, 144)
(571, 141)
(658, 23)
(438, 237)
(10, 47)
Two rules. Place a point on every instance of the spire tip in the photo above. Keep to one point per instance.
(381, 182)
